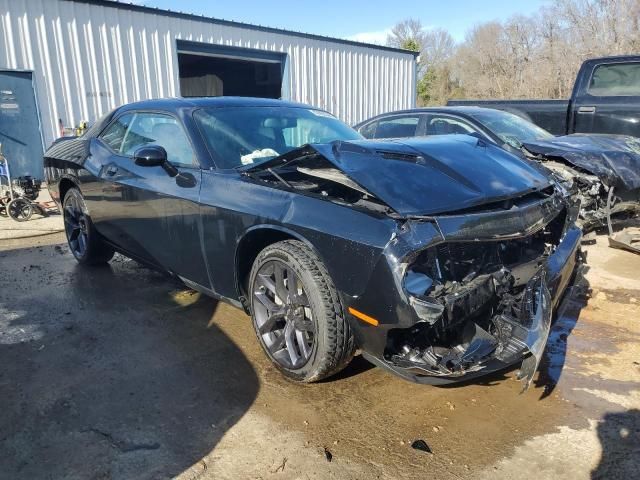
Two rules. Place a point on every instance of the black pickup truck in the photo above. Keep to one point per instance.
(605, 99)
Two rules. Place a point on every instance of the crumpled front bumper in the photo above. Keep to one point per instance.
(519, 340)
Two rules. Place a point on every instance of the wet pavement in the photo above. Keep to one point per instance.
(120, 372)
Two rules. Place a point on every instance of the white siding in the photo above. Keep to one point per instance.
(89, 59)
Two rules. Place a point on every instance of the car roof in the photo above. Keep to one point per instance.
(460, 110)
(177, 103)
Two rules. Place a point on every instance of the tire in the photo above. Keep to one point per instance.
(20, 209)
(84, 242)
(305, 334)
(3, 206)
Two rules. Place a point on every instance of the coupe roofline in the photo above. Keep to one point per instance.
(211, 102)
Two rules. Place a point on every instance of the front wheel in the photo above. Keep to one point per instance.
(84, 242)
(297, 313)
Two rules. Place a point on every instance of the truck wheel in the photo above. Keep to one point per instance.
(297, 313)
(84, 242)
(20, 209)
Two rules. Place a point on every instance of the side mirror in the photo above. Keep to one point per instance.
(154, 156)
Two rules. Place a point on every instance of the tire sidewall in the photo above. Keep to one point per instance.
(309, 370)
(90, 230)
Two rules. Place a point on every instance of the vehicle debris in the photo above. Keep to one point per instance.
(421, 445)
(328, 455)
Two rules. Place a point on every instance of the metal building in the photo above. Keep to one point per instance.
(65, 61)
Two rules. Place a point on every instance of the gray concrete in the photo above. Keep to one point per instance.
(120, 372)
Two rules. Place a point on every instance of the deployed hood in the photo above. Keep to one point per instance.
(614, 159)
(426, 176)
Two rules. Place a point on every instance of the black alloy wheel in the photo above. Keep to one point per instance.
(297, 313)
(76, 226)
(84, 242)
(283, 315)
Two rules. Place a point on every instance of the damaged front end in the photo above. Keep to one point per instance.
(603, 173)
(485, 294)
(484, 246)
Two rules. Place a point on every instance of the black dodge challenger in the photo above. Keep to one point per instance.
(441, 259)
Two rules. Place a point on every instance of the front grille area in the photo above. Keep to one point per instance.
(460, 261)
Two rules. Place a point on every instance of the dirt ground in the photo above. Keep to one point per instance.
(120, 372)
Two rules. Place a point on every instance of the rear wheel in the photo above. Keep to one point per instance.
(20, 209)
(84, 242)
(297, 314)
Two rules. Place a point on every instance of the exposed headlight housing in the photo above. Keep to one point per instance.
(416, 283)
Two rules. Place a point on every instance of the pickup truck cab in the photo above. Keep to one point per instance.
(605, 99)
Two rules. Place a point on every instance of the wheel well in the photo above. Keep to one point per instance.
(248, 249)
(65, 185)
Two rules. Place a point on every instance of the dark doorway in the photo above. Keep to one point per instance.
(20, 124)
(211, 71)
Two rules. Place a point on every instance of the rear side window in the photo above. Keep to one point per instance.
(446, 125)
(114, 134)
(369, 130)
(615, 80)
(405, 126)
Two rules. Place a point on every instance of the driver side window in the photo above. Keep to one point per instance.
(162, 130)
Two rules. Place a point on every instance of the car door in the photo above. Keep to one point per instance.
(610, 103)
(145, 211)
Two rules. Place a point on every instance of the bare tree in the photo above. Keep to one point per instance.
(437, 47)
(532, 56)
(407, 34)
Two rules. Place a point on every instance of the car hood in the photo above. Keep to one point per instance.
(614, 159)
(427, 176)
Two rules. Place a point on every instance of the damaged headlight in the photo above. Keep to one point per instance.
(417, 284)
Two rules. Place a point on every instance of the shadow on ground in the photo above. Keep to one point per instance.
(566, 318)
(110, 372)
(619, 435)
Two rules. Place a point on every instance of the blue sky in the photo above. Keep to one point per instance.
(360, 19)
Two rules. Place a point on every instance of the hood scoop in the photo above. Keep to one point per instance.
(405, 157)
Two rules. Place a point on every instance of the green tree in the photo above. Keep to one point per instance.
(411, 44)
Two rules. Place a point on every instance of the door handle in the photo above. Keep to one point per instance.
(111, 170)
(586, 109)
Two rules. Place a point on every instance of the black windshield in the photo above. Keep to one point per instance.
(510, 128)
(250, 135)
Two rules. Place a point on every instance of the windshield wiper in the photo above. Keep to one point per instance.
(270, 170)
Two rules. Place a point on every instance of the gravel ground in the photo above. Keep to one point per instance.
(120, 372)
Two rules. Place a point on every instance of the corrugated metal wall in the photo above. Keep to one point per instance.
(91, 58)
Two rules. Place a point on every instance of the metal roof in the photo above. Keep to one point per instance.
(202, 18)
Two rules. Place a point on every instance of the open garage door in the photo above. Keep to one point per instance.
(208, 70)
